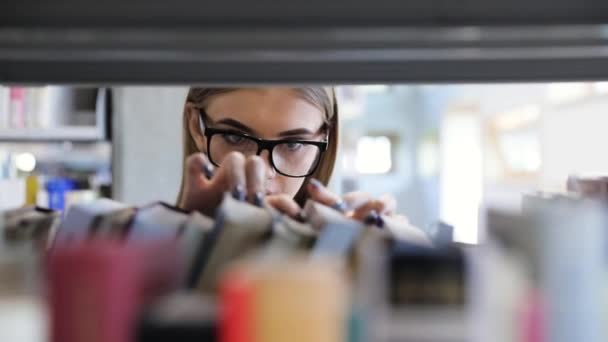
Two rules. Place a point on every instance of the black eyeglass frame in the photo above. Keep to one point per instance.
(263, 144)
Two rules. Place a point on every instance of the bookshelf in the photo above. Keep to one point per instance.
(74, 133)
(53, 114)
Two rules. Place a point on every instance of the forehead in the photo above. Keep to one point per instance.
(267, 111)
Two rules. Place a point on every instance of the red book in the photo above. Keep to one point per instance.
(17, 107)
(235, 311)
(97, 289)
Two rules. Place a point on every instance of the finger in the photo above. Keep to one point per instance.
(198, 167)
(255, 171)
(198, 192)
(356, 199)
(367, 210)
(390, 204)
(231, 175)
(319, 193)
(284, 204)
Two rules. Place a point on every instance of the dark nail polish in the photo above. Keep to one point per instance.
(258, 199)
(315, 183)
(380, 222)
(340, 206)
(208, 171)
(372, 218)
(239, 193)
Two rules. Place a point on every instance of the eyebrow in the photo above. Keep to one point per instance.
(238, 125)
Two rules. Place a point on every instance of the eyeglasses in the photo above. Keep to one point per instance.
(289, 157)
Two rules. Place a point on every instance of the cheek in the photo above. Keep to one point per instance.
(287, 185)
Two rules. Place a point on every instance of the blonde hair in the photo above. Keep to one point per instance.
(322, 97)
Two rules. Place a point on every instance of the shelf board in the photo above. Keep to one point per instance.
(74, 133)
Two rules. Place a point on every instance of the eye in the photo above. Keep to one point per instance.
(293, 146)
(233, 139)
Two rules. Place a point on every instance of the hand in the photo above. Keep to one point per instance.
(356, 205)
(204, 185)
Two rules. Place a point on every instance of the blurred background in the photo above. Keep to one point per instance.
(445, 151)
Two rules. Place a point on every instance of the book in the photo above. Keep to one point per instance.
(157, 221)
(17, 105)
(4, 107)
(403, 231)
(318, 215)
(29, 224)
(337, 233)
(97, 289)
(289, 236)
(80, 217)
(292, 300)
(180, 317)
(239, 229)
(337, 240)
(191, 240)
(114, 225)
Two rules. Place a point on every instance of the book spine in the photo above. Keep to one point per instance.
(4, 107)
(93, 293)
(17, 107)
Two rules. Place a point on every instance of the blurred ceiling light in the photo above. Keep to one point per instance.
(25, 162)
(373, 155)
(560, 93)
(516, 118)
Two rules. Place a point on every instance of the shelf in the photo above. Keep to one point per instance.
(74, 133)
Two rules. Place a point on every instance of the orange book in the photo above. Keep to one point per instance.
(294, 300)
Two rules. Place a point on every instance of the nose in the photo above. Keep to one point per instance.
(270, 171)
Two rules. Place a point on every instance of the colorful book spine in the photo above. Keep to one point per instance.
(17, 107)
(97, 289)
(294, 300)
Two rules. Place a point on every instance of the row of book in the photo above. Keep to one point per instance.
(44, 107)
(541, 275)
(21, 107)
(111, 272)
(114, 272)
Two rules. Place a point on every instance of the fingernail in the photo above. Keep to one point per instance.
(372, 218)
(208, 171)
(300, 217)
(380, 222)
(340, 206)
(239, 193)
(258, 199)
(315, 183)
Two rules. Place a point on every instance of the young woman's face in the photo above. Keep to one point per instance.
(267, 113)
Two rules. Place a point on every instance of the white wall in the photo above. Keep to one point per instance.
(147, 147)
(461, 174)
(574, 138)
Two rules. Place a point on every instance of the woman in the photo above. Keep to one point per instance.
(276, 145)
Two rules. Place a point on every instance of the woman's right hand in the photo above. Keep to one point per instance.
(243, 177)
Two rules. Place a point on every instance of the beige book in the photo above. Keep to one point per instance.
(319, 215)
(239, 229)
(113, 225)
(401, 230)
(191, 240)
(157, 221)
(79, 218)
(289, 236)
(300, 301)
(29, 224)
